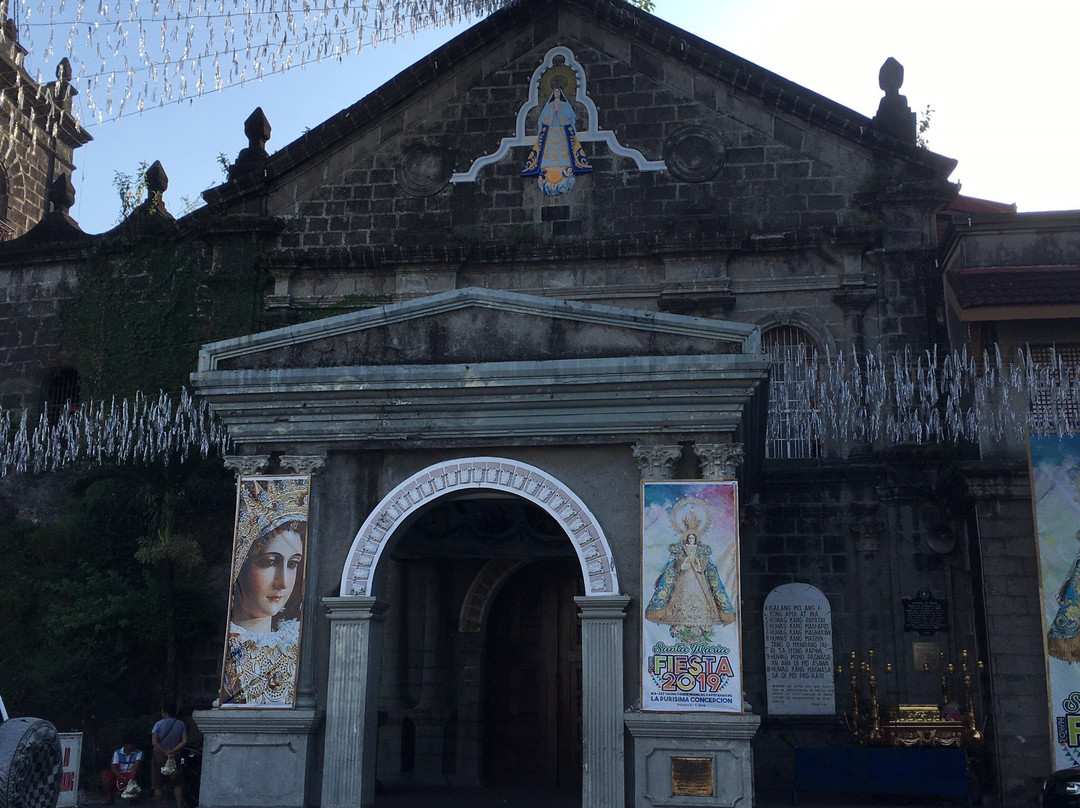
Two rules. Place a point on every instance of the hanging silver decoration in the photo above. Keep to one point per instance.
(141, 53)
(921, 398)
(142, 430)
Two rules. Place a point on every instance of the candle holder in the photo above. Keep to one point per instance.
(943, 724)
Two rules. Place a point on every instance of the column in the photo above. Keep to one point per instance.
(603, 784)
(468, 662)
(352, 701)
(308, 464)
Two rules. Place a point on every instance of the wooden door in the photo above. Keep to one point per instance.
(532, 685)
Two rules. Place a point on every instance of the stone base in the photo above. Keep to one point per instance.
(693, 759)
(255, 757)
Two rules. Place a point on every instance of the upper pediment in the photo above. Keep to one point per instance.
(640, 95)
(478, 326)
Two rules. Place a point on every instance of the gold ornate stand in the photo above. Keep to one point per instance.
(909, 725)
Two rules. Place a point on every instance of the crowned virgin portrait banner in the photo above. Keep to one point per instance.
(1055, 476)
(691, 640)
(262, 644)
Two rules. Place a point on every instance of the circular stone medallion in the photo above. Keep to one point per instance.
(694, 153)
(424, 170)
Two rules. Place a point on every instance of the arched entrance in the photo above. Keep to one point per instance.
(356, 627)
(531, 727)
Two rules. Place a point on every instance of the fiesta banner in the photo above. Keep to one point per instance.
(1055, 476)
(691, 640)
(262, 646)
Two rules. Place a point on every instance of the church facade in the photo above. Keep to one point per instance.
(574, 254)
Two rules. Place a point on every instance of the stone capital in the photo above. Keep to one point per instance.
(602, 607)
(719, 461)
(340, 609)
(656, 462)
(302, 464)
(247, 464)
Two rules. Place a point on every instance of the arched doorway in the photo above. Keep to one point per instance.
(356, 627)
(480, 679)
(531, 728)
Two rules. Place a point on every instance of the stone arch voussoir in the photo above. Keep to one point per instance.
(478, 473)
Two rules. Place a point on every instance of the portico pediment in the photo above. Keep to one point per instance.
(478, 364)
(471, 326)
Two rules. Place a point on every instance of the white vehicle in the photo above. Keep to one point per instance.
(30, 766)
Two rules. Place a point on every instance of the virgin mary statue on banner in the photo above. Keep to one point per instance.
(688, 593)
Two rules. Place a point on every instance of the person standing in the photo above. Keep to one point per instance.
(169, 737)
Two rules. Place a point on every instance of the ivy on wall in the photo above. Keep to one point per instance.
(143, 307)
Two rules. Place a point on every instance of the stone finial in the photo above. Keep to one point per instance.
(63, 71)
(656, 462)
(157, 181)
(257, 130)
(11, 30)
(719, 461)
(253, 158)
(894, 116)
(62, 194)
(891, 76)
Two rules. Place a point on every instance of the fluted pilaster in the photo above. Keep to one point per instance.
(305, 679)
(603, 784)
(352, 701)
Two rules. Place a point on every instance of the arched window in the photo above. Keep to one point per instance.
(60, 394)
(791, 431)
(1050, 401)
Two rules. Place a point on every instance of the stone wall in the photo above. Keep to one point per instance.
(31, 299)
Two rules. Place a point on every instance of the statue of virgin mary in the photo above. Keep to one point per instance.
(557, 156)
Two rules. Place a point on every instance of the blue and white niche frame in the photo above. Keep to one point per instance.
(556, 156)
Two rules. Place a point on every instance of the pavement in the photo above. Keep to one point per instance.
(549, 798)
(541, 798)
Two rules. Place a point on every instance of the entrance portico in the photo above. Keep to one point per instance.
(568, 433)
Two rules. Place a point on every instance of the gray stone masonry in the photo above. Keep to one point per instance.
(31, 298)
(1006, 541)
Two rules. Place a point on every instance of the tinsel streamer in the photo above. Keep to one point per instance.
(193, 38)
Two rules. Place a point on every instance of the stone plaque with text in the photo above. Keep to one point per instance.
(925, 614)
(799, 651)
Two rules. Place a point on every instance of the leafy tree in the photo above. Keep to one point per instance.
(105, 607)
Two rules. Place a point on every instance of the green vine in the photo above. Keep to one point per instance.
(144, 306)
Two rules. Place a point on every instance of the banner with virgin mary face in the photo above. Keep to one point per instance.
(691, 638)
(262, 645)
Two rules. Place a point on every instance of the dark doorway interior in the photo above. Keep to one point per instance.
(532, 679)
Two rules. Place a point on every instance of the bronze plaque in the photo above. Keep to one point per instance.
(691, 777)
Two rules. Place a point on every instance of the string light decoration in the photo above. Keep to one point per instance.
(130, 55)
(907, 399)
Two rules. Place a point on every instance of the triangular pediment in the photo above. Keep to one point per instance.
(443, 119)
(479, 326)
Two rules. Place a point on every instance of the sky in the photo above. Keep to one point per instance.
(1003, 81)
